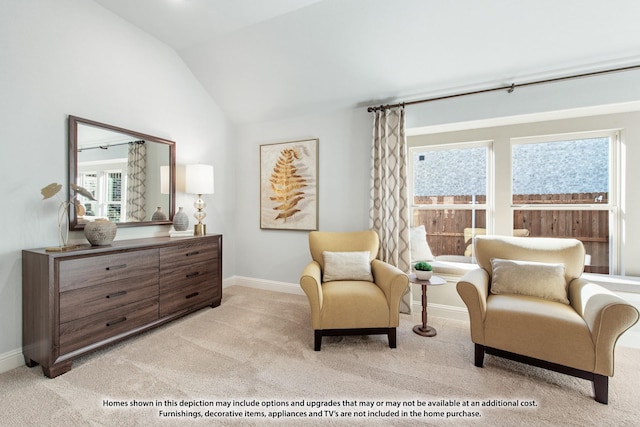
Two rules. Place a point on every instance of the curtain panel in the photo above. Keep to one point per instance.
(136, 182)
(389, 203)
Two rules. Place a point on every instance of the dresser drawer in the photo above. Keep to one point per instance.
(185, 275)
(83, 302)
(95, 328)
(197, 294)
(84, 272)
(189, 252)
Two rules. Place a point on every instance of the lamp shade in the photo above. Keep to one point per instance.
(164, 179)
(198, 179)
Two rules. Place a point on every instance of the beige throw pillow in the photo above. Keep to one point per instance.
(346, 266)
(420, 250)
(535, 279)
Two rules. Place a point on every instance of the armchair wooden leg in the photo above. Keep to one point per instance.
(479, 355)
(601, 388)
(317, 339)
(392, 337)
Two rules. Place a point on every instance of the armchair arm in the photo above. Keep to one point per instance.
(607, 317)
(393, 283)
(311, 284)
(473, 288)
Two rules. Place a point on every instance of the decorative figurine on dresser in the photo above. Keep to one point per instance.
(80, 300)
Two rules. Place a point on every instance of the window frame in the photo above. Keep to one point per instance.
(500, 206)
(614, 196)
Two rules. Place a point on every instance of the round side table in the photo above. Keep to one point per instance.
(424, 329)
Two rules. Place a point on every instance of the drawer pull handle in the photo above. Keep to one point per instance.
(116, 294)
(195, 294)
(115, 322)
(193, 253)
(116, 267)
(192, 275)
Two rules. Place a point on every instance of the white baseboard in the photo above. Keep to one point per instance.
(631, 338)
(440, 310)
(268, 285)
(11, 360)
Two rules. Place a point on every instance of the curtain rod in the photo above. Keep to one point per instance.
(106, 147)
(509, 88)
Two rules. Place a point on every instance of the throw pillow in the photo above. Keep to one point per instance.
(535, 279)
(420, 250)
(346, 266)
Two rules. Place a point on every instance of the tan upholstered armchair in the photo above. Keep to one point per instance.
(541, 311)
(350, 292)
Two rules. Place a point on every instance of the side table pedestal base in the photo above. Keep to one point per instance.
(429, 331)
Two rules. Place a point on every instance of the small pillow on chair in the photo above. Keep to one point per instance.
(420, 250)
(534, 279)
(346, 266)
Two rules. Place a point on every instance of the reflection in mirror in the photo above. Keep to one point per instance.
(131, 175)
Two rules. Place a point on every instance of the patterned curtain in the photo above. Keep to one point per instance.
(136, 181)
(389, 210)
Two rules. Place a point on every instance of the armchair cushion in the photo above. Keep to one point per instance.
(358, 304)
(346, 266)
(536, 279)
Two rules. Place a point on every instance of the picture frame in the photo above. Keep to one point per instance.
(289, 185)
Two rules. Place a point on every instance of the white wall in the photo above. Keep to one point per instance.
(343, 187)
(73, 57)
(571, 97)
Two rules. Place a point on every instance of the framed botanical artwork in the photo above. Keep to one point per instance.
(289, 185)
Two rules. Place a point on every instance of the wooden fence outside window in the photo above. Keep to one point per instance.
(445, 227)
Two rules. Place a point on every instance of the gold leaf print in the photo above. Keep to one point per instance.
(286, 183)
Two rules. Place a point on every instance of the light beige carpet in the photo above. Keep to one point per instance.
(257, 348)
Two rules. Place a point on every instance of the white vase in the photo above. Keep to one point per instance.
(423, 275)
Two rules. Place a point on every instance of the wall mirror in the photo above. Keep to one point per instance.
(130, 174)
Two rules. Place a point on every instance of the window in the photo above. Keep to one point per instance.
(561, 187)
(450, 194)
(557, 185)
(107, 184)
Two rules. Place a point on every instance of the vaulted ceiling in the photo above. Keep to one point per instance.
(269, 59)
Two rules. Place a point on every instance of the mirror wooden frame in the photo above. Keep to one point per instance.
(73, 123)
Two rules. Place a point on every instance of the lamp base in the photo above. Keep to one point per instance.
(200, 229)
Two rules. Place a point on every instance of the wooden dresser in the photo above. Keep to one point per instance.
(78, 301)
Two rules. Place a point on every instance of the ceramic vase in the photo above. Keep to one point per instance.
(423, 275)
(180, 220)
(159, 215)
(100, 232)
